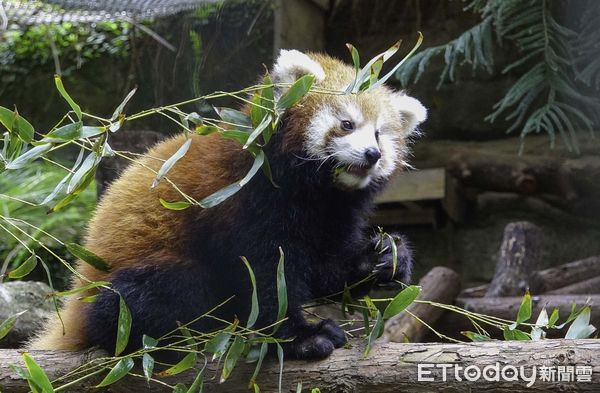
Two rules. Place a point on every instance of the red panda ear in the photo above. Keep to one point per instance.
(292, 64)
(410, 108)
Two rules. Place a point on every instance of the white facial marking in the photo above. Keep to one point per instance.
(316, 134)
(292, 64)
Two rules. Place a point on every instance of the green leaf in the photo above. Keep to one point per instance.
(280, 358)
(28, 156)
(121, 106)
(258, 130)
(87, 256)
(237, 135)
(6, 118)
(147, 366)
(261, 356)
(364, 74)
(188, 361)
(514, 334)
(553, 317)
(22, 127)
(89, 299)
(88, 167)
(65, 133)
(149, 342)
(401, 301)
(382, 80)
(525, 309)
(581, 328)
(232, 357)
(179, 205)
(179, 388)
(282, 299)
(218, 344)
(8, 324)
(84, 288)
(375, 333)
(296, 92)
(25, 268)
(37, 375)
(254, 310)
(198, 383)
(226, 192)
(234, 116)
(206, 130)
(475, 337)
(66, 96)
(123, 327)
(167, 165)
(120, 370)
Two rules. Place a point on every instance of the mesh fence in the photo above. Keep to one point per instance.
(32, 12)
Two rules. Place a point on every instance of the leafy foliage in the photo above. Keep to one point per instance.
(555, 65)
(22, 49)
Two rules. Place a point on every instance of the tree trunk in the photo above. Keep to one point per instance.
(520, 255)
(390, 367)
(440, 285)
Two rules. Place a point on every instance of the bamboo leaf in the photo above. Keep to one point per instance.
(475, 337)
(296, 92)
(123, 327)
(149, 342)
(37, 375)
(167, 165)
(29, 156)
(65, 133)
(282, 299)
(261, 356)
(232, 357)
(401, 301)
(66, 96)
(147, 366)
(84, 288)
(226, 192)
(8, 324)
(25, 268)
(179, 205)
(254, 310)
(258, 130)
(87, 256)
(121, 106)
(375, 333)
(581, 328)
(120, 370)
(235, 117)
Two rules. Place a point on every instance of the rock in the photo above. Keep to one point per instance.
(17, 296)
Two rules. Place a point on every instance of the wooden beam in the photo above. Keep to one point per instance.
(390, 367)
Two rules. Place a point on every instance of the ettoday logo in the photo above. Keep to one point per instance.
(497, 372)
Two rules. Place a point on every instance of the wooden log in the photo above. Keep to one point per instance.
(591, 286)
(441, 285)
(519, 257)
(567, 274)
(390, 367)
(555, 277)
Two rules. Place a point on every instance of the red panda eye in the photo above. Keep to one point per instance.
(347, 125)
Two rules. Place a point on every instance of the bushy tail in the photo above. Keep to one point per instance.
(54, 337)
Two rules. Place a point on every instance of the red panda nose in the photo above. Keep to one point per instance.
(372, 155)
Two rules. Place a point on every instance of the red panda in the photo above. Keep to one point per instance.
(330, 157)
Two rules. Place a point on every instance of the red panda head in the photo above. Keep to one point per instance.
(364, 135)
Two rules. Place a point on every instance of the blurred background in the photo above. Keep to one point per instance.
(511, 88)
